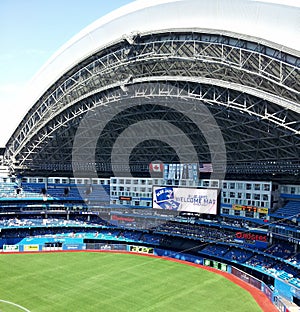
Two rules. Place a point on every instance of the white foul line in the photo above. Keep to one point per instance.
(16, 305)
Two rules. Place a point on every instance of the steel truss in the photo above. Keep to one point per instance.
(251, 89)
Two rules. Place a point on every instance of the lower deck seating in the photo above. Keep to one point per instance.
(239, 255)
(215, 250)
(290, 209)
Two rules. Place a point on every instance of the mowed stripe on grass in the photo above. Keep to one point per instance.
(89, 281)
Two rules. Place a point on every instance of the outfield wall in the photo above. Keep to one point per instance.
(281, 296)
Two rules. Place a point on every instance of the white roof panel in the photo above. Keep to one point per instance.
(273, 21)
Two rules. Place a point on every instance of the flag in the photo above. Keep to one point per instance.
(156, 167)
(205, 167)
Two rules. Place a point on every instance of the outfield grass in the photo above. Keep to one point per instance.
(90, 281)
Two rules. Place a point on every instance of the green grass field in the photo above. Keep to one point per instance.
(114, 282)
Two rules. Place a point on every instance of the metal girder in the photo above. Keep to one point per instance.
(243, 77)
(249, 136)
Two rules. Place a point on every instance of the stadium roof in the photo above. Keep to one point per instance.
(275, 22)
(258, 40)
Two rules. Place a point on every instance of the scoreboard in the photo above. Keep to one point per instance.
(250, 208)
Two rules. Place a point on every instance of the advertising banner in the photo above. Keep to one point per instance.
(263, 210)
(141, 249)
(31, 247)
(10, 248)
(246, 277)
(237, 207)
(73, 246)
(103, 246)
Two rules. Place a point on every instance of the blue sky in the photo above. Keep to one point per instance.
(30, 32)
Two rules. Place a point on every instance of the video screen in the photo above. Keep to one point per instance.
(197, 200)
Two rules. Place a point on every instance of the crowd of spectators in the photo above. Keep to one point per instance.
(197, 231)
(280, 250)
(278, 259)
(15, 222)
(215, 250)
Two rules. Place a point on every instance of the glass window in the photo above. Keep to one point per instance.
(248, 186)
(240, 186)
(214, 184)
(265, 197)
(256, 196)
(249, 214)
(257, 187)
(293, 190)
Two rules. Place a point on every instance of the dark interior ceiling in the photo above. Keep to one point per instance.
(177, 82)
